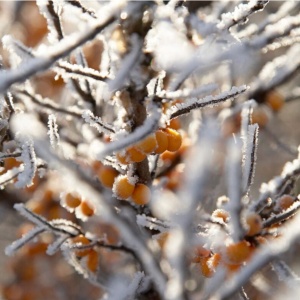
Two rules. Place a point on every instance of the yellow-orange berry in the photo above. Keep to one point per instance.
(122, 187)
(72, 200)
(162, 141)
(260, 116)
(81, 240)
(221, 214)
(86, 209)
(239, 252)
(175, 124)
(209, 264)
(174, 139)
(274, 100)
(123, 158)
(200, 252)
(141, 194)
(135, 155)
(107, 176)
(284, 202)
(92, 261)
(147, 145)
(10, 163)
(254, 223)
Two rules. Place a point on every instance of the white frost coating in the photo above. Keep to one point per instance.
(171, 48)
(141, 132)
(240, 12)
(25, 178)
(38, 220)
(249, 156)
(53, 131)
(12, 248)
(96, 122)
(52, 35)
(9, 175)
(127, 65)
(54, 247)
(208, 100)
(153, 223)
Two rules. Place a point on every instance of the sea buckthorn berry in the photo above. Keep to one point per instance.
(147, 145)
(254, 223)
(239, 252)
(11, 162)
(86, 209)
(275, 100)
(209, 264)
(92, 261)
(174, 139)
(123, 158)
(135, 155)
(221, 214)
(141, 194)
(81, 240)
(284, 202)
(122, 187)
(107, 176)
(72, 200)
(162, 141)
(200, 252)
(259, 116)
(175, 124)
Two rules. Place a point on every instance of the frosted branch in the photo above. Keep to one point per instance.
(97, 123)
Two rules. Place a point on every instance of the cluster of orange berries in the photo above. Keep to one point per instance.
(164, 139)
(74, 202)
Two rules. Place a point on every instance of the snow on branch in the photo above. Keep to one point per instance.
(235, 205)
(10, 175)
(53, 131)
(184, 108)
(64, 47)
(241, 13)
(97, 123)
(25, 178)
(249, 157)
(138, 134)
(274, 186)
(153, 223)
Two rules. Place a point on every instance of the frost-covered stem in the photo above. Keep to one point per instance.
(77, 71)
(46, 103)
(9, 102)
(241, 12)
(55, 19)
(53, 131)
(234, 173)
(79, 5)
(7, 155)
(185, 108)
(282, 216)
(249, 159)
(61, 49)
(97, 122)
(284, 272)
(153, 223)
(262, 257)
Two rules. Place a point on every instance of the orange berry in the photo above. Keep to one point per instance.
(11, 162)
(123, 158)
(175, 124)
(162, 239)
(233, 267)
(36, 249)
(92, 261)
(168, 156)
(274, 100)
(260, 116)
(174, 139)
(200, 252)
(162, 141)
(147, 145)
(209, 264)
(239, 252)
(107, 176)
(254, 222)
(141, 194)
(72, 200)
(135, 155)
(86, 209)
(284, 202)
(221, 214)
(122, 187)
(81, 240)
